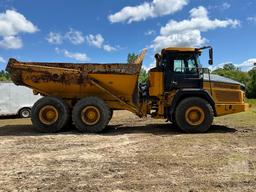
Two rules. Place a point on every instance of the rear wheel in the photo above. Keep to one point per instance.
(194, 115)
(91, 115)
(25, 113)
(50, 114)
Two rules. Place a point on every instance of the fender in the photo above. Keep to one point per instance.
(185, 93)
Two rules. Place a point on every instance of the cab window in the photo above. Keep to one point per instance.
(180, 62)
(179, 66)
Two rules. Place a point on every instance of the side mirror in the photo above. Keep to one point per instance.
(210, 56)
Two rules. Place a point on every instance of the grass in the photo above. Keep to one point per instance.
(251, 101)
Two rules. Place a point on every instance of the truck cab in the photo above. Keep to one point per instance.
(188, 95)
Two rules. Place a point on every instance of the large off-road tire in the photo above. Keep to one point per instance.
(50, 114)
(194, 115)
(111, 114)
(91, 115)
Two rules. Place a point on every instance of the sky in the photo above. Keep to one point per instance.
(105, 31)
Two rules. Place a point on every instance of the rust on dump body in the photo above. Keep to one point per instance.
(68, 72)
(65, 72)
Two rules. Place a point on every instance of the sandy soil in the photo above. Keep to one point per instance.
(132, 154)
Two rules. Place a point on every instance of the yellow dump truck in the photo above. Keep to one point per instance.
(178, 90)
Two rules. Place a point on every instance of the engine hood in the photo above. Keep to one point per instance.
(220, 79)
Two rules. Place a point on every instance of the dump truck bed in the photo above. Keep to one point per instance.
(111, 82)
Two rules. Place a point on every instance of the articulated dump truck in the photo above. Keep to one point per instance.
(178, 90)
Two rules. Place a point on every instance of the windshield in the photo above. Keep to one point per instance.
(180, 62)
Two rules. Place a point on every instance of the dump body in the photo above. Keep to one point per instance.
(116, 84)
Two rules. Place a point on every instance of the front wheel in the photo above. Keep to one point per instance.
(194, 115)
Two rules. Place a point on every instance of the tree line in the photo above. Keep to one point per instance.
(4, 76)
(247, 78)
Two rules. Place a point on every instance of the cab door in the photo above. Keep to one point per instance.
(181, 71)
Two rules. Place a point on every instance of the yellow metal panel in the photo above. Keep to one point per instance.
(156, 81)
(225, 109)
(224, 93)
(121, 85)
(228, 98)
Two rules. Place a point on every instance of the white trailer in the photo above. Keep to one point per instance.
(16, 100)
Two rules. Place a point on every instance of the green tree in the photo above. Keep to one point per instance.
(229, 67)
(4, 76)
(230, 71)
(143, 77)
(247, 78)
(251, 88)
(131, 57)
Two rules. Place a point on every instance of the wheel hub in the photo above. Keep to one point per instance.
(25, 113)
(90, 115)
(48, 115)
(195, 115)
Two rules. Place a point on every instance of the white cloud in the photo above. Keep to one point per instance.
(12, 24)
(150, 32)
(147, 10)
(252, 19)
(247, 65)
(225, 5)
(75, 37)
(81, 57)
(188, 33)
(109, 48)
(54, 38)
(77, 56)
(199, 21)
(185, 39)
(98, 41)
(222, 7)
(2, 60)
(11, 42)
(150, 66)
(244, 66)
(95, 40)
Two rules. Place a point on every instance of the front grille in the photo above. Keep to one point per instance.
(228, 96)
(225, 86)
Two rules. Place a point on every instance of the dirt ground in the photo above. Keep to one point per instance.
(132, 154)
